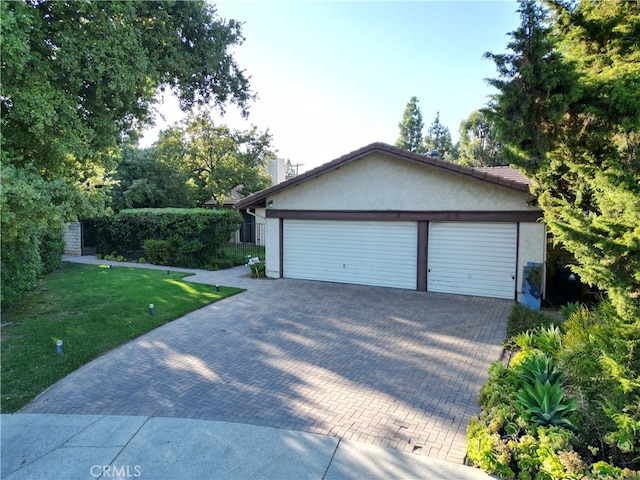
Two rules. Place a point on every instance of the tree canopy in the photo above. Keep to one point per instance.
(568, 111)
(536, 87)
(479, 144)
(78, 76)
(411, 128)
(438, 138)
(155, 177)
(191, 163)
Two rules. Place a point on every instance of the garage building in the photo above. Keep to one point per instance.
(387, 217)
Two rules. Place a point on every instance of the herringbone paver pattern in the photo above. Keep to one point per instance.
(399, 369)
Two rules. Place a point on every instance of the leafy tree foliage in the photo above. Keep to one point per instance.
(152, 178)
(572, 121)
(191, 163)
(218, 159)
(438, 138)
(479, 145)
(76, 77)
(411, 128)
(536, 87)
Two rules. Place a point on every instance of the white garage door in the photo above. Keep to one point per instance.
(366, 253)
(472, 258)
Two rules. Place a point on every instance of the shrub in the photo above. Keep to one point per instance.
(601, 359)
(569, 309)
(51, 250)
(522, 318)
(193, 236)
(524, 340)
(499, 388)
(597, 354)
(28, 259)
(21, 268)
(220, 264)
(487, 450)
(548, 339)
(34, 212)
(602, 470)
(626, 436)
(186, 253)
(157, 251)
(257, 267)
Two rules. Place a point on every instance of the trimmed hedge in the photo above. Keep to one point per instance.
(181, 237)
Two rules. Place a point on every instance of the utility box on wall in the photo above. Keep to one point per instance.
(533, 278)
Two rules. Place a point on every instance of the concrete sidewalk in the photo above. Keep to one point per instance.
(36, 446)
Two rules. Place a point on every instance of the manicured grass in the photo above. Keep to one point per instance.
(92, 309)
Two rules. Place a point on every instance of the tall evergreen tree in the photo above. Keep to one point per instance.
(411, 128)
(536, 87)
(438, 138)
(577, 134)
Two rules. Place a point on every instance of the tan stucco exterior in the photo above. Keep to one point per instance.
(380, 182)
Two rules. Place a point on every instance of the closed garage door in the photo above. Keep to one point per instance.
(472, 258)
(366, 253)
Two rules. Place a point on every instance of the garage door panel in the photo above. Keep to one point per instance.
(368, 253)
(472, 258)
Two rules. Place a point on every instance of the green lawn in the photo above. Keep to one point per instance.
(92, 309)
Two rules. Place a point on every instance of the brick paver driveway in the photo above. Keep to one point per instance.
(400, 369)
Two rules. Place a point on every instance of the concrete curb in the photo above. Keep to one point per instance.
(36, 446)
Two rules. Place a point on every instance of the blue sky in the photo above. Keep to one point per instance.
(333, 76)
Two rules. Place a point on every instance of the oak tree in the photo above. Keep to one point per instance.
(77, 76)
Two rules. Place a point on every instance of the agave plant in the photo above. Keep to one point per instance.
(548, 339)
(545, 404)
(540, 368)
(569, 309)
(524, 340)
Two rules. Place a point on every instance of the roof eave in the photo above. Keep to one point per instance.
(259, 199)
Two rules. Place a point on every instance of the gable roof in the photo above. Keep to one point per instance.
(502, 176)
(506, 173)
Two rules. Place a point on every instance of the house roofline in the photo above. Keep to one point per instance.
(258, 199)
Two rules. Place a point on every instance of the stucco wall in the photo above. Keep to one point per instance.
(379, 182)
(532, 248)
(272, 251)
